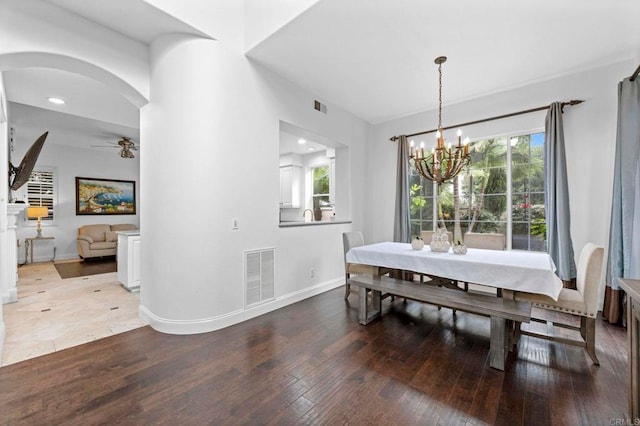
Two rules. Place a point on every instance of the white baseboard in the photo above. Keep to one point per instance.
(205, 325)
(11, 296)
(47, 258)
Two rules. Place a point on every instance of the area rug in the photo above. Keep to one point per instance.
(89, 267)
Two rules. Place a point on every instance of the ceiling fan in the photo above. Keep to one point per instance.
(126, 145)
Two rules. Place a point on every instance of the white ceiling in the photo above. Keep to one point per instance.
(29, 122)
(371, 57)
(375, 57)
(83, 96)
(136, 19)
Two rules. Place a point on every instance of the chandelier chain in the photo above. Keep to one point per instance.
(439, 96)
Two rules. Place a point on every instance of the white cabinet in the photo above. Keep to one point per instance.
(129, 259)
(290, 186)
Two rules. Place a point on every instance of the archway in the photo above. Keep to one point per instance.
(24, 60)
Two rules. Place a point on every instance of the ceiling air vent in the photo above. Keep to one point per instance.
(319, 107)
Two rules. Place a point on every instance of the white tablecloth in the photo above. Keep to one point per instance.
(527, 271)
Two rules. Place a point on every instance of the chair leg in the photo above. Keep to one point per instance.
(589, 327)
(347, 286)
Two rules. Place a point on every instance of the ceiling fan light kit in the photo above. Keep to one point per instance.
(127, 145)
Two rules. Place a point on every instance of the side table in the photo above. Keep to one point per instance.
(632, 288)
(28, 243)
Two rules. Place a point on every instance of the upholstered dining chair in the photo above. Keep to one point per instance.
(487, 241)
(481, 240)
(349, 241)
(583, 301)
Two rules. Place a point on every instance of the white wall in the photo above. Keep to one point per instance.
(238, 158)
(242, 23)
(230, 145)
(590, 132)
(71, 163)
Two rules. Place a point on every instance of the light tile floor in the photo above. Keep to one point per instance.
(52, 314)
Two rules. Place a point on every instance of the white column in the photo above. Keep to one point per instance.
(180, 174)
(10, 277)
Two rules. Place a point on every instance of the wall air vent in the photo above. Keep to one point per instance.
(259, 275)
(319, 107)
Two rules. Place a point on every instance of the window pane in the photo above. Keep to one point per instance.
(421, 201)
(321, 180)
(321, 201)
(41, 191)
(529, 229)
(497, 180)
(520, 178)
(484, 189)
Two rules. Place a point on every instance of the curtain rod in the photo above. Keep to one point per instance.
(635, 74)
(497, 117)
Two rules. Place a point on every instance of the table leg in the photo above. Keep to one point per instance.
(26, 251)
(499, 343)
(365, 313)
(31, 251)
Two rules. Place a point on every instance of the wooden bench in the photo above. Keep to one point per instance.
(506, 315)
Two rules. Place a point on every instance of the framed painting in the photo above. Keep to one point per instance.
(105, 196)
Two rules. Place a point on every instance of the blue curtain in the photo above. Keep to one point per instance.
(402, 220)
(624, 233)
(557, 212)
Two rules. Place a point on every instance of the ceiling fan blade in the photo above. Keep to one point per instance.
(22, 173)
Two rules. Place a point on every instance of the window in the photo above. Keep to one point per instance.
(310, 166)
(505, 171)
(41, 191)
(321, 187)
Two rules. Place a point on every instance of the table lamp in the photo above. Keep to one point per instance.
(38, 212)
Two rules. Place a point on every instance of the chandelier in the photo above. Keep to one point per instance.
(444, 162)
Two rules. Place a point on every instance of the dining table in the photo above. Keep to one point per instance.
(512, 270)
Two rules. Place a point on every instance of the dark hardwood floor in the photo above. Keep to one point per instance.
(312, 363)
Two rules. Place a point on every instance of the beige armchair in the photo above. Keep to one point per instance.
(99, 240)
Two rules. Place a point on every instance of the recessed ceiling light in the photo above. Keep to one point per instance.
(56, 101)
(302, 141)
(311, 148)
